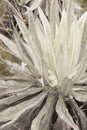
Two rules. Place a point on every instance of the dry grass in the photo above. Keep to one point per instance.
(3, 69)
(83, 3)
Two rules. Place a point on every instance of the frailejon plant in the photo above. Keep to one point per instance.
(45, 82)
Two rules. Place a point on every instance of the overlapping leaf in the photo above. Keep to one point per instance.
(49, 50)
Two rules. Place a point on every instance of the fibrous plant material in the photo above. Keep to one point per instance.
(48, 77)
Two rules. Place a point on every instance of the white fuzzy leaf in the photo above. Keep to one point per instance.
(45, 23)
(20, 94)
(54, 16)
(80, 95)
(66, 86)
(24, 55)
(13, 112)
(83, 27)
(23, 28)
(35, 4)
(10, 44)
(64, 114)
(32, 55)
(36, 124)
(82, 65)
(33, 33)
